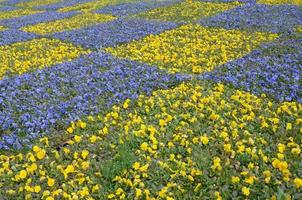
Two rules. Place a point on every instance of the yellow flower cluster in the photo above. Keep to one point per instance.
(176, 144)
(272, 2)
(188, 11)
(192, 48)
(34, 3)
(75, 22)
(209, 136)
(21, 57)
(2, 28)
(93, 5)
(17, 13)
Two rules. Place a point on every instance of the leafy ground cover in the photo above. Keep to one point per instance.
(158, 99)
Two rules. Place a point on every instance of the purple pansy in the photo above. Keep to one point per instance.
(114, 32)
(7, 8)
(258, 17)
(12, 2)
(11, 36)
(131, 8)
(276, 69)
(62, 4)
(34, 103)
(35, 19)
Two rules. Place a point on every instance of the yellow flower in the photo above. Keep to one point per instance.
(49, 198)
(84, 192)
(70, 130)
(93, 139)
(204, 139)
(66, 150)
(162, 192)
(281, 148)
(96, 188)
(77, 138)
(50, 182)
(85, 165)
(138, 193)
(27, 55)
(227, 148)
(190, 178)
(114, 115)
(126, 104)
(144, 168)
(195, 140)
(136, 165)
(81, 124)
(84, 154)
(170, 144)
(119, 191)
(267, 176)
(69, 169)
(216, 164)
(296, 151)
(144, 146)
(162, 123)
(164, 50)
(45, 140)
(250, 179)
(298, 182)
(218, 196)
(33, 167)
(45, 193)
(22, 174)
(281, 165)
(245, 191)
(36, 149)
(197, 187)
(37, 188)
(235, 179)
(289, 126)
(41, 154)
(90, 118)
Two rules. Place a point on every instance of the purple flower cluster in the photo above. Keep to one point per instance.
(126, 9)
(114, 32)
(62, 4)
(258, 17)
(35, 19)
(276, 69)
(34, 103)
(12, 2)
(11, 36)
(226, 1)
(7, 8)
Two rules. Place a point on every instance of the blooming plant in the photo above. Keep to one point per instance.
(150, 100)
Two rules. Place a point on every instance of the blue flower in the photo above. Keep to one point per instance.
(61, 4)
(35, 19)
(226, 1)
(7, 8)
(12, 2)
(114, 32)
(12, 35)
(38, 101)
(258, 17)
(276, 69)
(125, 9)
